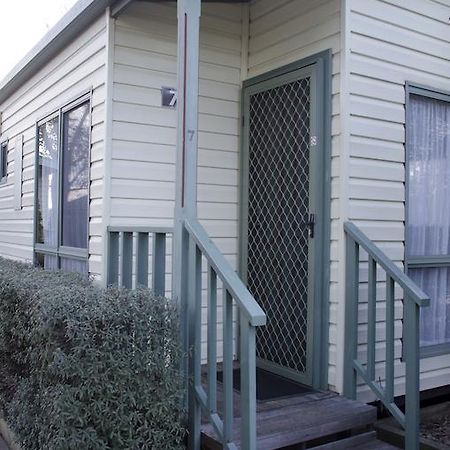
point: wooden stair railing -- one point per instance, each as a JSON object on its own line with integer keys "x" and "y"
{"x": 128, "y": 266}
{"x": 413, "y": 299}
{"x": 128, "y": 257}
{"x": 250, "y": 316}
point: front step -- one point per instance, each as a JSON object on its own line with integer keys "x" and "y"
{"x": 285, "y": 425}
{"x": 364, "y": 441}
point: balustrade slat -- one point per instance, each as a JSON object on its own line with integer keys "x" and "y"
{"x": 411, "y": 314}
{"x": 113, "y": 259}
{"x": 371, "y": 318}
{"x": 198, "y": 316}
{"x": 248, "y": 384}
{"x": 195, "y": 323}
{"x": 390, "y": 323}
{"x": 227, "y": 366}
{"x": 159, "y": 264}
{"x": 351, "y": 316}
{"x": 127, "y": 260}
{"x": 212, "y": 340}
{"x": 142, "y": 259}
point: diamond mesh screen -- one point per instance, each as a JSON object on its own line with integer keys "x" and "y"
{"x": 278, "y": 206}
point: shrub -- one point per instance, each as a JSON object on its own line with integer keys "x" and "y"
{"x": 87, "y": 368}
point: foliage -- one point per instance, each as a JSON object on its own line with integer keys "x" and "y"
{"x": 87, "y": 368}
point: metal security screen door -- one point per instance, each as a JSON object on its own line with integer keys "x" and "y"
{"x": 281, "y": 207}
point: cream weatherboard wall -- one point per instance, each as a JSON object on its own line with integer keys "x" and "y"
{"x": 142, "y": 182}
{"x": 389, "y": 42}
{"x": 78, "y": 69}
{"x": 237, "y": 42}
{"x": 283, "y": 32}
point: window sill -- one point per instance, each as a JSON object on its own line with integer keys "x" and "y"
{"x": 430, "y": 351}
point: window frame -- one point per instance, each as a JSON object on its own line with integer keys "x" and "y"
{"x": 422, "y": 262}
{"x": 4, "y": 160}
{"x": 61, "y": 251}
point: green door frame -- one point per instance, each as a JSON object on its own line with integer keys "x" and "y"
{"x": 320, "y": 66}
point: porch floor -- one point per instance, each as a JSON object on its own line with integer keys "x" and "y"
{"x": 318, "y": 419}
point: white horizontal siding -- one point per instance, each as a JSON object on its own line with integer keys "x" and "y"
{"x": 78, "y": 69}
{"x": 391, "y": 42}
{"x": 144, "y": 133}
{"x": 287, "y": 31}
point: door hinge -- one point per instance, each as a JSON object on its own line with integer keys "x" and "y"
{"x": 243, "y": 121}
{"x": 314, "y": 141}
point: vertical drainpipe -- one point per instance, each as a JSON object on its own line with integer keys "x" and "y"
{"x": 186, "y": 179}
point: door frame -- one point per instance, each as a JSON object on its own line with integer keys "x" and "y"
{"x": 320, "y": 320}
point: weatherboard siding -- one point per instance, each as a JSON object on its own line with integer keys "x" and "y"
{"x": 289, "y": 31}
{"x": 78, "y": 69}
{"x": 144, "y": 132}
{"x": 391, "y": 42}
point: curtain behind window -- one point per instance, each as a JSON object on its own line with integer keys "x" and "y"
{"x": 428, "y": 221}
{"x": 47, "y": 214}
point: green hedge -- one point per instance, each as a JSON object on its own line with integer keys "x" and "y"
{"x": 86, "y": 368}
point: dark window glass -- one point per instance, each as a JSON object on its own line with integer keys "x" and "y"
{"x": 75, "y": 177}
{"x": 4, "y": 161}
{"x": 47, "y": 179}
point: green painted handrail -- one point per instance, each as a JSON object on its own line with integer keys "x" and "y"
{"x": 246, "y": 302}
{"x": 413, "y": 291}
{"x": 234, "y": 294}
{"x": 123, "y": 262}
{"x": 413, "y": 299}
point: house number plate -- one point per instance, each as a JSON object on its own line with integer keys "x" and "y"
{"x": 168, "y": 97}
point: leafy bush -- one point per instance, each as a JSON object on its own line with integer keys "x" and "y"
{"x": 87, "y": 368}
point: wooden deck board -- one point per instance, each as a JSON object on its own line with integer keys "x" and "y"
{"x": 298, "y": 419}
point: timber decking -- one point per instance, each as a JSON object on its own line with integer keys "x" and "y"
{"x": 304, "y": 418}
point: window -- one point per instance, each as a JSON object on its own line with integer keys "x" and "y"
{"x": 62, "y": 200}
{"x": 3, "y": 162}
{"x": 428, "y": 211}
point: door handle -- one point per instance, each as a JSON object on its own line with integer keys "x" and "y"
{"x": 311, "y": 224}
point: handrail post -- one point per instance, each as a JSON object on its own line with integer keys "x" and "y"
{"x": 390, "y": 338}
{"x": 227, "y": 367}
{"x": 248, "y": 384}
{"x": 212, "y": 340}
{"x": 412, "y": 375}
{"x": 195, "y": 323}
{"x": 351, "y": 315}
{"x": 371, "y": 318}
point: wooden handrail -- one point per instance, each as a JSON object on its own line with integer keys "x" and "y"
{"x": 412, "y": 290}
{"x": 235, "y": 294}
{"x": 121, "y": 241}
{"x": 413, "y": 299}
{"x": 232, "y": 282}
